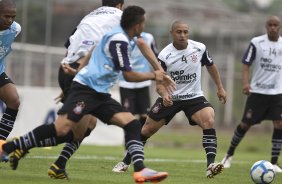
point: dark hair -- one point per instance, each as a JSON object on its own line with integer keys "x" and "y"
{"x": 131, "y": 16}
{"x": 112, "y": 3}
{"x": 7, "y": 3}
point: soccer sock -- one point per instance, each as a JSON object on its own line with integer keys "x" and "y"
{"x": 210, "y": 144}
{"x": 236, "y": 139}
{"x": 42, "y": 136}
{"x": 134, "y": 145}
{"x": 142, "y": 120}
{"x": 127, "y": 158}
{"x": 7, "y": 122}
{"x": 68, "y": 151}
{"x": 276, "y": 145}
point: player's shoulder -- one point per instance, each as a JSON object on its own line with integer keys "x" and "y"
{"x": 258, "y": 39}
{"x": 16, "y": 27}
{"x": 197, "y": 44}
{"x": 119, "y": 37}
{"x": 167, "y": 50}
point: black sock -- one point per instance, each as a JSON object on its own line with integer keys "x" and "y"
{"x": 236, "y": 139}
{"x": 43, "y": 135}
{"x": 134, "y": 145}
{"x": 210, "y": 144}
{"x": 7, "y": 122}
{"x": 276, "y": 145}
{"x": 127, "y": 158}
{"x": 68, "y": 151}
{"x": 142, "y": 120}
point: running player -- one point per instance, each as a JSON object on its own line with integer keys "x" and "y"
{"x": 89, "y": 94}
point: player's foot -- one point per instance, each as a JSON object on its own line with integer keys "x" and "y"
{"x": 214, "y": 169}
{"x": 277, "y": 168}
{"x": 3, "y": 156}
{"x": 15, "y": 157}
{"x": 226, "y": 161}
{"x": 55, "y": 172}
{"x": 121, "y": 167}
{"x": 149, "y": 175}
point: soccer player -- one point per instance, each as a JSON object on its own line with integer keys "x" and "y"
{"x": 89, "y": 94}
{"x": 9, "y": 29}
{"x": 87, "y": 35}
{"x": 135, "y": 96}
{"x": 182, "y": 60}
{"x": 264, "y": 90}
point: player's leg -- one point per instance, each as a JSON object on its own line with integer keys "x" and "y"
{"x": 57, "y": 169}
{"x": 205, "y": 119}
{"x": 140, "y": 106}
{"x": 258, "y": 105}
{"x": 42, "y": 136}
{"x": 9, "y": 95}
{"x": 276, "y": 145}
{"x": 132, "y": 129}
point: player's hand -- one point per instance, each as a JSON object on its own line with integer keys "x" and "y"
{"x": 159, "y": 75}
{"x": 68, "y": 69}
{"x": 246, "y": 89}
{"x": 169, "y": 84}
{"x": 167, "y": 101}
{"x": 59, "y": 98}
{"x": 222, "y": 96}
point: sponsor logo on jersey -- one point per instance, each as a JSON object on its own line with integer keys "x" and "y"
{"x": 88, "y": 42}
{"x": 265, "y": 86}
{"x": 181, "y": 78}
{"x": 267, "y": 66}
{"x": 183, "y": 97}
{"x": 78, "y": 108}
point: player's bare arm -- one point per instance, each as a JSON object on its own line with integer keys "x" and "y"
{"x": 245, "y": 79}
{"x": 150, "y": 56}
{"x": 222, "y": 96}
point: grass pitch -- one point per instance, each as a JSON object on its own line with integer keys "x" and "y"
{"x": 179, "y": 152}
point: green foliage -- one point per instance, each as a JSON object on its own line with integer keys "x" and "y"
{"x": 179, "y": 152}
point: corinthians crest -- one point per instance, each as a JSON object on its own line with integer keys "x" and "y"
{"x": 157, "y": 107}
{"x": 78, "y": 108}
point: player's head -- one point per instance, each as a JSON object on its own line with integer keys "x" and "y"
{"x": 273, "y": 26}
{"x": 179, "y": 33}
{"x": 133, "y": 20}
{"x": 113, "y": 3}
{"x": 7, "y": 13}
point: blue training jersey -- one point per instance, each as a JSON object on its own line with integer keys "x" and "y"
{"x": 6, "y": 39}
{"x": 107, "y": 60}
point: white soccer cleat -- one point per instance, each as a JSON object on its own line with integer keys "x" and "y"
{"x": 214, "y": 169}
{"x": 226, "y": 161}
{"x": 121, "y": 167}
{"x": 277, "y": 168}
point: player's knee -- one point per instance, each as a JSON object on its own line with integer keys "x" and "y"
{"x": 13, "y": 103}
{"x": 92, "y": 123}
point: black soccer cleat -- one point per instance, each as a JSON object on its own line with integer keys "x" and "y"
{"x": 55, "y": 172}
{"x": 15, "y": 157}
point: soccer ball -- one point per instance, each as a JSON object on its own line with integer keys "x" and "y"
{"x": 262, "y": 172}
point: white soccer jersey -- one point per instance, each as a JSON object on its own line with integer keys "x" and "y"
{"x": 184, "y": 67}
{"x": 267, "y": 59}
{"x": 90, "y": 31}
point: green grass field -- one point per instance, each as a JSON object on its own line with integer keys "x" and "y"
{"x": 180, "y": 153}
